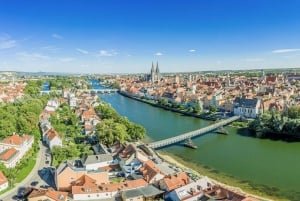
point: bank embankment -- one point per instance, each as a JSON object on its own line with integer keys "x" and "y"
{"x": 154, "y": 104}
{"x": 219, "y": 178}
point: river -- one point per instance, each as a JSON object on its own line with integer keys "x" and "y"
{"x": 271, "y": 166}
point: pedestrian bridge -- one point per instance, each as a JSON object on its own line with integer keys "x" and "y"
{"x": 102, "y": 91}
{"x": 199, "y": 132}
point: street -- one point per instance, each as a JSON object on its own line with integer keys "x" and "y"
{"x": 39, "y": 177}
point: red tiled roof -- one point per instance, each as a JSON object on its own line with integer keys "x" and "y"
{"x": 149, "y": 170}
{"x": 8, "y": 154}
{"x": 175, "y": 181}
{"x": 16, "y": 139}
{"x": 51, "y": 134}
{"x": 125, "y": 185}
{"x": 3, "y": 179}
{"x": 55, "y": 195}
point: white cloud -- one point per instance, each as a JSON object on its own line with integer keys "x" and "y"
{"x": 158, "y": 54}
{"x": 26, "y": 55}
{"x": 50, "y": 48}
{"x": 57, "y": 36}
{"x": 106, "y": 53}
{"x": 192, "y": 50}
{"x": 82, "y": 51}
{"x": 254, "y": 59}
{"x": 66, "y": 59}
{"x": 6, "y": 42}
{"x": 285, "y": 50}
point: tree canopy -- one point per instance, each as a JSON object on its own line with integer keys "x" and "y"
{"x": 116, "y": 128}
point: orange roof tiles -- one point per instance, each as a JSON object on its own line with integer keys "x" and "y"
{"x": 3, "y": 179}
{"x": 85, "y": 180}
{"x": 55, "y": 195}
{"x": 8, "y": 154}
{"x": 51, "y": 134}
{"x": 175, "y": 181}
{"x": 16, "y": 139}
{"x": 149, "y": 170}
{"x": 125, "y": 185}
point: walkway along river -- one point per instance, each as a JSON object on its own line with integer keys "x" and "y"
{"x": 271, "y": 166}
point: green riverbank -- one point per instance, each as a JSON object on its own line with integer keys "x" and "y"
{"x": 248, "y": 187}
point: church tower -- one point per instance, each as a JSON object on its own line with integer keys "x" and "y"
{"x": 152, "y": 73}
{"x": 157, "y": 72}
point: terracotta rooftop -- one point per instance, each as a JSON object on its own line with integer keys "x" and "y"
{"x": 51, "y": 134}
{"x": 50, "y": 193}
{"x": 8, "y": 154}
{"x": 175, "y": 181}
{"x": 3, "y": 179}
{"x": 16, "y": 139}
{"x": 112, "y": 187}
{"x": 149, "y": 170}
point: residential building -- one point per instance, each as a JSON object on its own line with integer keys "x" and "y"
{"x": 71, "y": 172}
{"x": 94, "y": 162}
{"x": 90, "y": 190}
{"x": 13, "y": 148}
{"x": 172, "y": 182}
{"x": 190, "y": 192}
{"x": 147, "y": 193}
{"x": 151, "y": 173}
{"x": 49, "y": 195}
{"x": 248, "y": 108}
{"x": 52, "y": 138}
{"x": 52, "y": 105}
{"x": 3, "y": 182}
{"x": 131, "y": 159}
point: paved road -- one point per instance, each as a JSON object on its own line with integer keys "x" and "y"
{"x": 35, "y": 175}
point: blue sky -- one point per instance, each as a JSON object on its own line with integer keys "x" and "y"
{"x": 119, "y": 36}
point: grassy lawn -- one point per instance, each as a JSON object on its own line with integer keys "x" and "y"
{"x": 26, "y": 170}
{"x": 117, "y": 180}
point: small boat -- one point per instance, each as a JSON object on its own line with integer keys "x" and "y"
{"x": 188, "y": 143}
{"x": 221, "y": 130}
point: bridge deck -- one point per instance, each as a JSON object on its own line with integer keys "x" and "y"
{"x": 85, "y": 90}
{"x": 192, "y": 134}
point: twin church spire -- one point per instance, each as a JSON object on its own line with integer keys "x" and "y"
{"x": 154, "y": 73}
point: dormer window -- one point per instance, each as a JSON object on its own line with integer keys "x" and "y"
{"x": 61, "y": 197}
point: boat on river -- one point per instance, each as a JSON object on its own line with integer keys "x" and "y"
{"x": 189, "y": 143}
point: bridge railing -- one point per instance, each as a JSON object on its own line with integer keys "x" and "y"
{"x": 191, "y": 134}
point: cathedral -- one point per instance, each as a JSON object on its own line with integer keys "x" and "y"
{"x": 154, "y": 75}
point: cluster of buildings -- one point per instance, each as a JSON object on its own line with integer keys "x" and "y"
{"x": 126, "y": 172}
{"x": 13, "y": 148}
{"x": 11, "y": 91}
{"x": 121, "y": 171}
{"x": 240, "y": 95}
{"x": 49, "y": 135}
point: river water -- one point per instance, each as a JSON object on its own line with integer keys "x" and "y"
{"x": 271, "y": 166}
